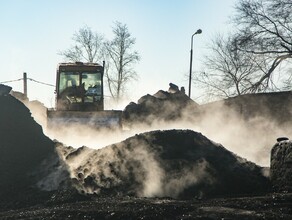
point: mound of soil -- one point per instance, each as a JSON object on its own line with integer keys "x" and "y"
{"x": 27, "y": 156}
{"x": 170, "y": 106}
{"x": 4, "y": 90}
{"x": 164, "y": 106}
{"x": 179, "y": 164}
{"x": 171, "y": 163}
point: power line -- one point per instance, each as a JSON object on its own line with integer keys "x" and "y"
{"x": 12, "y": 80}
{"x": 43, "y": 83}
{"x": 47, "y": 84}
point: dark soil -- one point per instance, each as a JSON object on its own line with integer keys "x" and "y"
{"x": 173, "y": 163}
{"x": 162, "y": 106}
{"x": 198, "y": 179}
{"x": 23, "y": 146}
{"x": 62, "y": 206}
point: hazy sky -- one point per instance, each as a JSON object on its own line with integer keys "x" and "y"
{"x": 33, "y": 31}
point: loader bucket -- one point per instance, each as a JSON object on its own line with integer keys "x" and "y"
{"x": 97, "y": 119}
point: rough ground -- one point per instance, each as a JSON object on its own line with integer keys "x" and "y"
{"x": 183, "y": 174}
{"x": 269, "y": 206}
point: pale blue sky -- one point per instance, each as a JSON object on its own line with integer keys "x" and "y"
{"x": 33, "y": 31}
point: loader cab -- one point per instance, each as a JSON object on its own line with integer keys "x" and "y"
{"x": 79, "y": 87}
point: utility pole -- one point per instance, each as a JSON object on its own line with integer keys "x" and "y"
{"x": 25, "y": 84}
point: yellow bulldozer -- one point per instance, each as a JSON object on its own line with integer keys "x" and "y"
{"x": 80, "y": 98}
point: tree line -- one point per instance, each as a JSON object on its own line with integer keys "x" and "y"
{"x": 248, "y": 60}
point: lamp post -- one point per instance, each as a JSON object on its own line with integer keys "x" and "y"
{"x": 199, "y": 31}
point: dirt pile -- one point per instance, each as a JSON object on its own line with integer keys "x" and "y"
{"x": 4, "y": 90}
{"x": 171, "y": 163}
{"x": 175, "y": 105}
{"x": 162, "y": 106}
{"x": 247, "y": 125}
{"x": 281, "y": 165}
{"x": 157, "y": 164}
{"x": 37, "y": 109}
{"x": 27, "y": 157}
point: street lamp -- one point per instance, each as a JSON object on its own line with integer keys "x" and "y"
{"x": 199, "y": 31}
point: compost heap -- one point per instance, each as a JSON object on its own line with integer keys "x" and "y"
{"x": 174, "y": 163}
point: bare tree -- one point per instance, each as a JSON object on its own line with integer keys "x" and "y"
{"x": 118, "y": 54}
{"x": 228, "y": 71}
{"x": 265, "y": 27}
{"x": 121, "y": 58}
{"x": 87, "y": 48}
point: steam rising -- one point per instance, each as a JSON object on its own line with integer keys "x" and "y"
{"x": 187, "y": 177}
{"x": 248, "y": 136}
{"x": 251, "y": 137}
{"x": 152, "y": 165}
{"x": 134, "y": 161}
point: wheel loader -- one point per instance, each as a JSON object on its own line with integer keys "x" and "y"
{"x": 80, "y": 98}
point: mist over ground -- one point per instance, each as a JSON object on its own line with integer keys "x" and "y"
{"x": 152, "y": 166}
{"x": 248, "y": 125}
